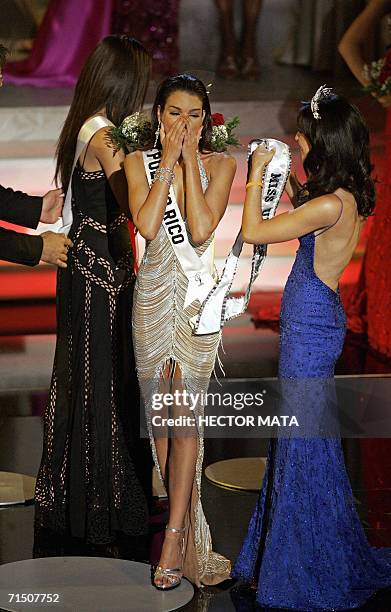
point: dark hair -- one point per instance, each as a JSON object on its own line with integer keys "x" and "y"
{"x": 114, "y": 77}
{"x": 3, "y": 55}
{"x": 193, "y": 86}
{"x": 339, "y": 155}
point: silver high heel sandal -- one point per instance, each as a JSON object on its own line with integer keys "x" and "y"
{"x": 174, "y": 575}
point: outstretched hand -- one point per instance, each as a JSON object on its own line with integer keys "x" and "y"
{"x": 53, "y": 202}
{"x": 55, "y": 248}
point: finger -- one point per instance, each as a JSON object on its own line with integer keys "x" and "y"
{"x": 69, "y": 242}
{"x": 178, "y": 133}
{"x": 178, "y": 127}
{"x": 174, "y": 126}
{"x": 63, "y": 256}
{"x": 61, "y": 264}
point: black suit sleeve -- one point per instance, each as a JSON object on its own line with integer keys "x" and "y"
{"x": 19, "y": 208}
{"x": 20, "y": 248}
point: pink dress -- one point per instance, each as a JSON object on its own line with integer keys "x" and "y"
{"x": 69, "y": 32}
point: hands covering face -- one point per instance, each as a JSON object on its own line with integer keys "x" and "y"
{"x": 182, "y": 139}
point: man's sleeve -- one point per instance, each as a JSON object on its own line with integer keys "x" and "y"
{"x": 20, "y": 248}
{"x": 19, "y": 208}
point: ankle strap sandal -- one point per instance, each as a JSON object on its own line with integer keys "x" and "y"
{"x": 173, "y": 575}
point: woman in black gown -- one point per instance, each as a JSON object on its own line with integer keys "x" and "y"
{"x": 89, "y": 487}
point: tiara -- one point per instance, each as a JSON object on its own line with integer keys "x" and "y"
{"x": 321, "y": 93}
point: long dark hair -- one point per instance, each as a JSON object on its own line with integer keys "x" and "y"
{"x": 339, "y": 154}
{"x": 192, "y": 85}
{"x": 114, "y": 77}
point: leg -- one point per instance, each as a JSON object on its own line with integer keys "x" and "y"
{"x": 181, "y": 472}
{"x": 161, "y": 440}
{"x": 251, "y": 12}
{"x": 227, "y": 65}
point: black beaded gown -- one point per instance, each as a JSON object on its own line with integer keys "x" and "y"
{"x": 93, "y": 481}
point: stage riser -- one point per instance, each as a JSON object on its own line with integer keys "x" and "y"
{"x": 44, "y": 123}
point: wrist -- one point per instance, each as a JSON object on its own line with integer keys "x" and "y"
{"x": 256, "y": 173}
{"x": 191, "y": 158}
{"x": 167, "y": 161}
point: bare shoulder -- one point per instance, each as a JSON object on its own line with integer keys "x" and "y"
{"x": 134, "y": 160}
{"x": 102, "y": 140}
{"x": 327, "y": 207}
{"x": 222, "y": 162}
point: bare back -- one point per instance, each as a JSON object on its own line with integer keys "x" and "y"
{"x": 335, "y": 245}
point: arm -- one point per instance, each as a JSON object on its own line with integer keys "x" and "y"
{"x": 25, "y": 210}
{"x": 315, "y": 214}
{"x": 351, "y": 44}
{"x": 112, "y": 162}
{"x": 28, "y": 250}
{"x": 20, "y": 208}
{"x": 20, "y": 248}
{"x": 148, "y": 205}
{"x": 204, "y": 210}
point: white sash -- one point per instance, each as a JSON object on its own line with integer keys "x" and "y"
{"x": 87, "y": 131}
{"x": 219, "y": 307}
{"x": 196, "y": 269}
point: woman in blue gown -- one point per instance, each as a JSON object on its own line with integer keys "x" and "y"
{"x": 305, "y": 548}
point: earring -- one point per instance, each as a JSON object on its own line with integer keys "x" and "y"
{"x": 157, "y": 135}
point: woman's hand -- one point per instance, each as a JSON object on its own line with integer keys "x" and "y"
{"x": 261, "y": 157}
{"x": 172, "y": 142}
{"x": 190, "y": 142}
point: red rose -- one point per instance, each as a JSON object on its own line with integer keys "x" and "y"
{"x": 218, "y": 119}
{"x": 386, "y": 70}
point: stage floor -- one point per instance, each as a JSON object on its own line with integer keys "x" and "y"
{"x": 25, "y": 364}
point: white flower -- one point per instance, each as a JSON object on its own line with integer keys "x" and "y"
{"x": 220, "y": 131}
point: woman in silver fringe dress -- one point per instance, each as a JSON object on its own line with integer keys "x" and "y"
{"x": 168, "y": 356}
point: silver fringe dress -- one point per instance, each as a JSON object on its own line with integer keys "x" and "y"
{"x": 162, "y": 335}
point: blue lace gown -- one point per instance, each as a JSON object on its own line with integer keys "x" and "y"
{"x": 305, "y": 547}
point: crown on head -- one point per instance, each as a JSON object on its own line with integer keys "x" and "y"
{"x": 322, "y": 93}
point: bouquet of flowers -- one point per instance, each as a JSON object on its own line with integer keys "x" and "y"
{"x": 223, "y": 132}
{"x": 135, "y": 132}
{"x": 378, "y": 75}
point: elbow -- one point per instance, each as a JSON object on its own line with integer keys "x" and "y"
{"x": 248, "y": 238}
{"x": 342, "y": 48}
{"x": 248, "y": 235}
{"x": 147, "y": 234}
{"x": 200, "y": 237}
{"x": 345, "y": 46}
